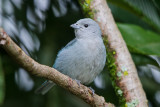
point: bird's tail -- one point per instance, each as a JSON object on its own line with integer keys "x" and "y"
{"x": 45, "y": 87}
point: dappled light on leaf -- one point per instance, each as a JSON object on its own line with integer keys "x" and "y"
{"x": 23, "y": 80}
{"x": 157, "y": 96}
{"x": 100, "y": 82}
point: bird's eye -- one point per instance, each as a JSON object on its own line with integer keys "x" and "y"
{"x": 86, "y": 25}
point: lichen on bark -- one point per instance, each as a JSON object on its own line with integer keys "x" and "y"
{"x": 112, "y": 68}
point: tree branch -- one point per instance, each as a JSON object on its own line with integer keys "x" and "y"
{"x": 49, "y": 73}
{"x": 121, "y": 66}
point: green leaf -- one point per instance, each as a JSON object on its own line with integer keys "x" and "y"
{"x": 2, "y": 85}
{"x": 140, "y": 40}
{"x": 146, "y": 10}
{"x": 141, "y": 60}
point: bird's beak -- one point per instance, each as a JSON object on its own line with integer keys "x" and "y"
{"x": 75, "y": 26}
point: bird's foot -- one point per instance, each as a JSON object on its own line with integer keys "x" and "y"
{"x": 93, "y": 91}
{"x": 78, "y": 82}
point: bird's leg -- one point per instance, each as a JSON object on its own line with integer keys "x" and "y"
{"x": 93, "y": 91}
{"x": 78, "y": 82}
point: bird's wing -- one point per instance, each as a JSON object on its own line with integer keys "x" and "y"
{"x": 70, "y": 43}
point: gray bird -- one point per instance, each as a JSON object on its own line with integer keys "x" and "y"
{"x": 83, "y": 58}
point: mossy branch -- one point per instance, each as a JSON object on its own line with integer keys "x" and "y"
{"x": 122, "y": 69}
{"x": 49, "y": 73}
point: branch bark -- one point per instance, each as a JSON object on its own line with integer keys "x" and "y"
{"x": 49, "y": 73}
{"x": 122, "y": 69}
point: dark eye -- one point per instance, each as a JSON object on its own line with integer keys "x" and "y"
{"x": 86, "y": 25}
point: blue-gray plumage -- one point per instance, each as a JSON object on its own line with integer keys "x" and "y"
{"x": 84, "y": 57}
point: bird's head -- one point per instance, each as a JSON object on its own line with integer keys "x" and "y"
{"x": 86, "y": 28}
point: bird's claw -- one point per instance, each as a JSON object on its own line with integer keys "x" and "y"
{"x": 78, "y": 82}
{"x": 93, "y": 91}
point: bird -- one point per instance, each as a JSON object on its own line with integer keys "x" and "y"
{"x": 83, "y": 58}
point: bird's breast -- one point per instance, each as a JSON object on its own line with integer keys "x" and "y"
{"x": 91, "y": 60}
{"x": 82, "y": 61}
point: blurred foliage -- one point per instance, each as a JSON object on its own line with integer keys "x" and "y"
{"x": 141, "y": 60}
{"x": 41, "y": 29}
{"x": 146, "y": 10}
{"x": 140, "y": 40}
{"x": 2, "y": 84}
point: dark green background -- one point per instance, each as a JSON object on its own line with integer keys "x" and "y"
{"x": 42, "y": 38}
